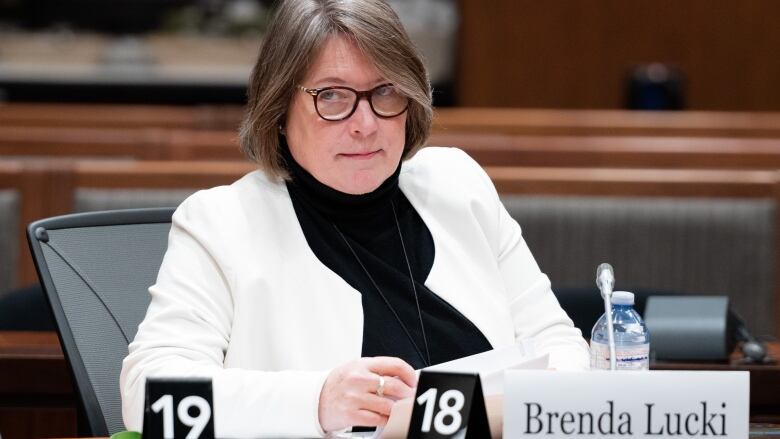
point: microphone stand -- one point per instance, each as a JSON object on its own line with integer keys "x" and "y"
{"x": 605, "y": 280}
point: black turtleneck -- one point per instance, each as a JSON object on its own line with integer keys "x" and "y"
{"x": 368, "y": 223}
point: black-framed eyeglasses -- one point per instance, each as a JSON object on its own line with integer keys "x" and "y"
{"x": 339, "y": 103}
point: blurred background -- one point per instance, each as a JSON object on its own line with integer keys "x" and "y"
{"x": 644, "y": 133}
{"x": 169, "y": 52}
{"x": 695, "y": 54}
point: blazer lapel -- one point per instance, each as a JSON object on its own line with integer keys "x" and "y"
{"x": 464, "y": 274}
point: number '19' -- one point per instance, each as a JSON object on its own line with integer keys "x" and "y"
{"x": 198, "y": 423}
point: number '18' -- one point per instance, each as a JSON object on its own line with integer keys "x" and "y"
{"x": 450, "y": 404}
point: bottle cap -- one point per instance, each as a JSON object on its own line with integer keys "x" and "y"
{"x": 622, "y": 298}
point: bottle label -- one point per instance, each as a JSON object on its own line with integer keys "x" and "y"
{"x": 635, "y": 357}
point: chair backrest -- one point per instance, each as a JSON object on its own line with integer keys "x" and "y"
{"x": 9, "y": 217}
{"x": 722, "y": 246}
{"x": 96, "y": 269}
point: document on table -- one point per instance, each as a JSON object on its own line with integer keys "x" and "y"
{"x": 490, "y": 366}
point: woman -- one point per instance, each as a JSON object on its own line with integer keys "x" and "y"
{"x": 311, "y": 289}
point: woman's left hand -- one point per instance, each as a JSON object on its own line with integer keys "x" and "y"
{"x": 353, "y": 393}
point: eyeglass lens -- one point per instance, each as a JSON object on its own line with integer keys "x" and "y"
{"x": 338, "y": 103}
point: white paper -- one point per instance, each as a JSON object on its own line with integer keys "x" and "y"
{"x": 491, "y": 365}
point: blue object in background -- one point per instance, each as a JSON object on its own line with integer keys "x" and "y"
{"x": 655, "y": 87}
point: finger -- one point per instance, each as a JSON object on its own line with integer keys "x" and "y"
{"x": 367, "y": 418}
{"x": 397, "y": 389}
{"x": 361, "y": 378}
{"x": 391, "y": 366}
{"x": 377, "y": 404}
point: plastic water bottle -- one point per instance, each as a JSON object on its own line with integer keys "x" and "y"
{"x": 632, "y": 340}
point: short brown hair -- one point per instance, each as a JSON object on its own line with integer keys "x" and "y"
{"x": 296, "y": 33}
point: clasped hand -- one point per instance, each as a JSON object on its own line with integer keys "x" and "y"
{"x": 351, "y": 393}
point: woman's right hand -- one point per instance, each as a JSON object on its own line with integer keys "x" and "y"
{"x": 349, "y": 396}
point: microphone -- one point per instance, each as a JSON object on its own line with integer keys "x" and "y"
{"x": 605, "y": 281}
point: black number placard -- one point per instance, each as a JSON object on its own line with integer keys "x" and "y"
{"x": 178, "y": 408}
{"x": 449, "y": 405}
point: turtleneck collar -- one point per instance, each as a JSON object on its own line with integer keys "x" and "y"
{"x": 332, "y": 203}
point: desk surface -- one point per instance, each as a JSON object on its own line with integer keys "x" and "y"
{"x": 764, "y": 380}
{"x": 40, "y": 373}
{"x": 21, "y": 348}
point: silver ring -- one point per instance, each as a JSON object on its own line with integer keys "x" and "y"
{"x": 380, "y": 389}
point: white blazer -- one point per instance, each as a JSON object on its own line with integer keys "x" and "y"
{"x": 241, "y": 297}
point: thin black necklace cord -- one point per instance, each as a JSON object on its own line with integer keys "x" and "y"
{"x": 426, "y": 361}
{"x": 411, "y": 279}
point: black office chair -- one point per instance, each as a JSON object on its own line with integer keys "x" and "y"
{"x": 95, "y": 269}
{"x": 25, "y": 309}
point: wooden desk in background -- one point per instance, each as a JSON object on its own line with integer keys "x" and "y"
{"x": 37, "y": 399}
{"x": 764, "y": 381}
{"x": 36, "y": 394}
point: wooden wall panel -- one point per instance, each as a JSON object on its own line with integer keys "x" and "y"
{"x": 574, "y": 53}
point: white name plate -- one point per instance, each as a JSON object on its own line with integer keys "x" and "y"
{"x": 648, "y": 404}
